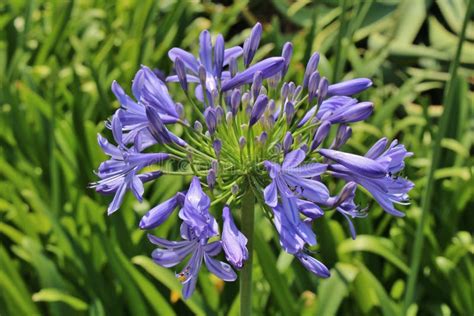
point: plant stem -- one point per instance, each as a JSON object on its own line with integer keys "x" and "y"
{"x": 248, "y": 218}
{"x": 427, "y": 195}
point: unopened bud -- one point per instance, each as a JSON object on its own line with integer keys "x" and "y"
{"x": 289, "y": 112}
{"x": 287, "y": 142}
{"x": 217, "y": 145}
{"x": 235, "y": 189}
{"x": 181, "y": 73}
{"x": 235, "y": 101}
{"x": 242, "y": 142}
{"x": 211, "y": 179}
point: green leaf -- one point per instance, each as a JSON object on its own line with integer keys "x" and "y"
{"x": 377, "y": 245}
{"x": 56, "y": 295}
{"x": 333, "y": 290}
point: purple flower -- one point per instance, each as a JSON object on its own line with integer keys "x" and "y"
{"x": 287, "y": 144}
{"x": 376, "y": 172}
{"x": 367, "y": 167}
{"x": 291, "y": 239}
{"x": 212, "y": 66}
{"x": 195, "y": 211}
{"x": 293, "y": 180}
{"x": 171, "y": 253}
{"x": 233, "y": 241}
{"x": 120, "y": 172}
{"x": 148, "y": 91}
{"x": 292, "y": 243}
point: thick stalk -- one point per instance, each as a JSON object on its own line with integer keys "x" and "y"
{"x": 248, "y": 218}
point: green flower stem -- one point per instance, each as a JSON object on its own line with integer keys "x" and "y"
{"x": 248, "y": 216}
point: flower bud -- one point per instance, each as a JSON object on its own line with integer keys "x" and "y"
{"x": 349, "y": 87}
{"x": 286, "y": 53}
{"x": 321, "y": 133}
{"x": 258, "y": 109}
{"x": 205, "y": 49}
{"x": 181, "y": 73}
{"x": 233, "y": 241}
{"x": 157, "y": 215}
{"x": 284, "y": 91}
{"x": 217, "y": 145}
{"x": 262, "y": 138}
{"x": 235, "y": 189}
{"x": 219, "y": 113}
{"x": 310, "y": 68}
{"x": 219, "y": 55}
{"x": 198, "y": 126}
{"x": 289, "y": 112}
{"x": 157, "y": 127}
{"x": 235, "y": 101}
{"x": 256, "y": 84}
{"x": 211, "y": 179}
{"x": 251, "y": 44}
{"x": 242, "y": 142}
{"x": 245, "y": 99}
{"x": 343, "y": 134}
{"x": 352, "y": 113}
{"x": 287, "y": 142}
{"x": 297, "y": 92}
{"x": 180, "y": 110}
{"x": 233, "y": 68}
{"x": 215, "y": 166}
{"x": 377, "y": 149}
{"x": 202, "y": 75}
{"x": 229, "y": 117}
{"x": 313, "y": 85}
{"x": 211, "y": 119}
{"x": 291, "y": 89}
{"x": 322, "y": 89}
{"x": 269, "y": 67}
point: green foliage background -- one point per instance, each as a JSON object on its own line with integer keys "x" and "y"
{"x": 61, "y": 255}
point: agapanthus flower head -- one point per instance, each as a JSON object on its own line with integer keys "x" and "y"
{"x": 253, "y": 132}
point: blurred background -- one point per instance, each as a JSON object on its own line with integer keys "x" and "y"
{"x": 61, "y": 255}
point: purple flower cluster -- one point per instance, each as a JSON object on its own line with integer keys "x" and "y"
{"x": 254, "y": 131}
